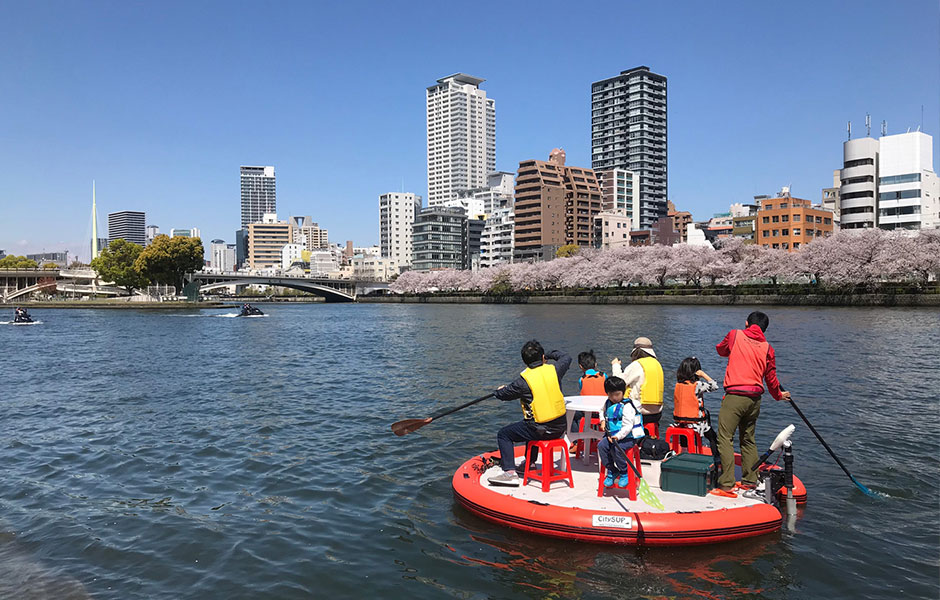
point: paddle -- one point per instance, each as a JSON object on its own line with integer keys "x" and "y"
{"x": 643, "y": 490}
{"x": 410, "y": 425}
{"x": 828, "y": 449}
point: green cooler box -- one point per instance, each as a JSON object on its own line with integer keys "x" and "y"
{"x": 688, "y": 473}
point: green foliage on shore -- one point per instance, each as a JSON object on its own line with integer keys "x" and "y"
{"x": 167, "y": 260}
{"x": 117, "y": 263}
{"x": 567, "y": 251}
{"x": 11, "y": 261}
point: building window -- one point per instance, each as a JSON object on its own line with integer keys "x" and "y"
{"x": 785, "y": 218}
{"x": 775, "y": 219}
{"x": 776, "y": 232}
{"x": 796, "y": 218}
{"x": 796, "y": 231}
{"x": 766, "y": 219}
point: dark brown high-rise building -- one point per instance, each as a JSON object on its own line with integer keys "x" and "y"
{"x": 555, "y": 206}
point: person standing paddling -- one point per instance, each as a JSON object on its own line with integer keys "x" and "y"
{"x": 751, "y": 362}
{"x": 538, "y": 390}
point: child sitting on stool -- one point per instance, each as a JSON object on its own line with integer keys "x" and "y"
{"x": 692, "y": 383}
{"x": 591, "y": 383}
{"x": 623, "y": 427}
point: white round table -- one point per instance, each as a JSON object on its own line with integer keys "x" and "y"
{"x": 587, "y": 405}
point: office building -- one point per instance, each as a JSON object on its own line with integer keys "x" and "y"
{"x": 461, "y": 128}
{"x": 830, "y": 198}
{"x": 374, "y": 268}
{"x": 889, "y": 183}
{"x": 438, "y": 239}
{"x": 152, "y": 232}
{"x": 259, "y": 196}
{"x": 264, "y": 242}
{"x": 290, "y": 254}
{"x": 61, "y": 259}
{"x": 788, "y": 223}
{"x": 221, "y": 256}
{"x": 309, "y": 234}
{"x": 192, "y": 232}
{"x": 628, "y": 131}
{"x": 555, "y": 205}
{"x": 127, "y": 225}
{"x": 397, "y": 212}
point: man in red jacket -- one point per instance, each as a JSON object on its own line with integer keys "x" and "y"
{"x": 751, "y": 362}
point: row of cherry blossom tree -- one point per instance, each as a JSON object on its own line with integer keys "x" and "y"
{"x": 869, "y": 257}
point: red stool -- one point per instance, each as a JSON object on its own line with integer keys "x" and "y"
{"x": 652, "y": 429}
{"x": 693, "y": 441}
{"x": 634, "y": 455}
{"x": 549, "y": 472}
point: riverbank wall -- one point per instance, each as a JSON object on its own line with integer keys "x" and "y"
{"x": 173, "y": 305}
{"x": 911, "y": 300}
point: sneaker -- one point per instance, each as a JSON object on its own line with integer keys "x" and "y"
{"x": 624, "y": 480}
{"x": 721, "y": 492}
{"x": 509, "y": 478}
{"x": 520, "y": 469}
{"x": 609, "y": 480}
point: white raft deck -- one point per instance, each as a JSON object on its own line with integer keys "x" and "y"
{"x": 584, "y": 493}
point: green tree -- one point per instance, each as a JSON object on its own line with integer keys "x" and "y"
{"x": 167, "y": 260}
{"x": 117, "y": 263}
{"x": 567, "y": 251}
{"x": 11, "y": 261}
{"x": 50, "y": 265}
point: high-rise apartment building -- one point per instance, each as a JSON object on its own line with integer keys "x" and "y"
{"x": 259, "y": 196}
{"x": 496, "y": 243}
{"x": 128, "y": 225}
{"x": 152, "y": 232}
{"x": 397, "y": 212}
{"x": 461, "y": 127}
{"x": 628, "y": 131}
{"x": 555, "y": 205}
{"x": 192, "y": 232}
{"x": 309, "y": 234}
{"x": 889, "y": 183}
{"x": 620, "y": 193}
{"x": 221, "y": 256}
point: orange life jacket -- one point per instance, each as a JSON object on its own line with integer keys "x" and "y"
{"x": 593, "y": 385}
{"x": 746, "y": 363}
{"x": 686, "y": 405}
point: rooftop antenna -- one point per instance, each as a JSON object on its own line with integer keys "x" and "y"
{"x": 884, "y": 128}
{"x": 868, "y": 124}
{"x": 850, "y": 130}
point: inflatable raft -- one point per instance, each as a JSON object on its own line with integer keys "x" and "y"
{"x": 578, "y": 512}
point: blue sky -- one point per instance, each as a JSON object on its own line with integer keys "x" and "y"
{"x": 161, "y": 102}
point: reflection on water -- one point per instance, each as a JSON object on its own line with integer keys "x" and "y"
{"x": 150, "y": 456}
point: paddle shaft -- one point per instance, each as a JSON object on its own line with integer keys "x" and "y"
{"x": 826, "y": 446}
{"x": 448, "y": 411}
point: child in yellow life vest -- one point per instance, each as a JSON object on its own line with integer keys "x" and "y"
{"x": 538, "y": 390}
{"x": 591, "y": 383}
{"x": 692, "y": 383}
{"x": 623, "y": 427}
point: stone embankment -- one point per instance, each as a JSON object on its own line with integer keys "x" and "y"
{"x": 829, "y": 299}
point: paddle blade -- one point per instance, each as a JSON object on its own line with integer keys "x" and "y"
{"x": 409, "y": 425}
{"x": 645, "y": 494}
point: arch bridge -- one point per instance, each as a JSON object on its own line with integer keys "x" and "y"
{"x": 332, "y": 290}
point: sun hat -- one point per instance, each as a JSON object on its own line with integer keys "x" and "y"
{"x": 644, "y": 344}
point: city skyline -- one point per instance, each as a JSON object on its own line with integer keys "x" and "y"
{"x": 744, "y": 118}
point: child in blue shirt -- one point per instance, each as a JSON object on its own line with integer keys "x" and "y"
{"x": 623, "y": 426}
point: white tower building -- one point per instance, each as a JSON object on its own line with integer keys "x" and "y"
{"x": 461, "y": 137}
{"x": 397, "y": 212}
{"x": 259, "y": 194}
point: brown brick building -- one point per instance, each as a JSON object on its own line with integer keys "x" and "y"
{"x": 788, "y": 223}
{"x": 555, "y": 205}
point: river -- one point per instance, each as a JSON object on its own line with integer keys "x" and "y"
{"x": 151, "y": 454}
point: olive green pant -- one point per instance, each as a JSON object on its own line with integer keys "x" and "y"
{"x": 737, "y": 412}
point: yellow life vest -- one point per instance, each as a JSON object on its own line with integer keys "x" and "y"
{"x": 548, "y": 403}
{"x": 652, "y": 390}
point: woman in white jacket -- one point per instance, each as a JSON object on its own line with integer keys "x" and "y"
{"x": 644, "y": 379}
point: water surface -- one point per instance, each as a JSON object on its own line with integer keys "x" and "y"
{"x": 180, "y": 455}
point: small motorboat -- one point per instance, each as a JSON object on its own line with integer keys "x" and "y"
{"x": 21, "y": 315}
{"x": 588, "y": 512}
{"x": 250, "y": 311}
